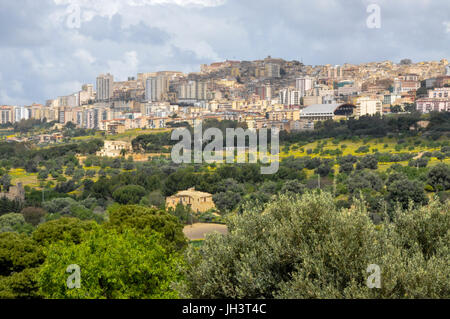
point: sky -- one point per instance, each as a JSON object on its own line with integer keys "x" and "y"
{"x": 49, "y": 48}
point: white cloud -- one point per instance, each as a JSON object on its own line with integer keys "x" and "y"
{"x": 447, "y": 26}
{"x": 85, "y": 56}
{"x": 125, "y": 67}
{"x": 108, "y": 8}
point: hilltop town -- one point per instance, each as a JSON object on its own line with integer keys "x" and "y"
{"x": 263, "y": 93}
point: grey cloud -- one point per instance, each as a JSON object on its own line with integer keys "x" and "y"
{"x": 38, "y": 54}
{"x": 104, "y": 28}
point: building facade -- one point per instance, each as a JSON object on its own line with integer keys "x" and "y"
{"x": 105, "y": 87}
{"x": 199, "y": 202}
{"x": 368, "y": 106}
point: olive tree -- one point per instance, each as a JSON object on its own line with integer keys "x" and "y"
{"x": 303, "y": 247}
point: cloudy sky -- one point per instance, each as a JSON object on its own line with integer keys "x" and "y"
{"x": 50, "y": 48}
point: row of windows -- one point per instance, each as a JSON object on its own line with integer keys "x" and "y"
{"x": 440, "y": 94}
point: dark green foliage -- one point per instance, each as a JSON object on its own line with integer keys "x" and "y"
{"x": 66, "y": 229}
{"x": 33, "y": 215}
{"x": 439, "y": 177}
{"x": 147, "y": 219}
{"x": 130, "y": 194}
{"x": 403, "y": 191}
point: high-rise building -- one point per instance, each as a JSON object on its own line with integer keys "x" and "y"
{"x": 6, "y": 115}
{"x": 162, "y": 86}
{"x": 406, "y": 83}
{"x": 105, "y": 87}
{"x": 264, "y": 92}
{"x": 447, "y": 69}
{"x": 304, "y": 84}
{"x": 21, "y": 113}
{"x": 150, "y": 89}
{"x": 272, "y": 70}
{"x": 335, "y": 72}
{"x": 290, "y": 97}
{"x": 193, "y": 90}
{"x": 156, "y": 88}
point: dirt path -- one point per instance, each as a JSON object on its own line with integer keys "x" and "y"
{"x": 200, "y": 230}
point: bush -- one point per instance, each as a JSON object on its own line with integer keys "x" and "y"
{"x": 33, "y": 215}
{"x": 63, "y": 229}
{"x": 439, "y": 177}
{"x": 127, "y": 265}
{"x": 303, "y": 247}
{"x": 14, "y": 223}
{"x": 130, "y": 194}
{"x": 145, "y": 219}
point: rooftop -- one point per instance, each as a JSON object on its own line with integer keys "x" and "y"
{"x": 320, "y": 108}
{"x": 192, "y": 193}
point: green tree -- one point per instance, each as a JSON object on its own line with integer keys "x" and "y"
{"x": 33, "y": 215}
{"x": 293, "y": 187}
{"x": 63, "y": 229}
{"x": 130, "y": 194}
{"x": 361, "y": 180}
{"x": 5, "y": 182}
{"x": 142, "y": 218}
{"x": 20, "y": 258}
{"x": 439, "y": 177}
{"x": 14, "y": 223}
{"x": 226, "y": 201}
{"x": 404, "y": 191}
{"x": 125, "y": 265}
{"x": 303, "y": 247}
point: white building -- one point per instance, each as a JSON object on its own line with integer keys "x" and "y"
{"x": 86, "y": 94}
{"x": 368, "y": 106}
{"x": 304, "y": 84}
{"x": 390, "y": 99}
{"x": 428, "y": 105}
{"x": 290, "y": 97}
{"x": 439, "y": 93}
{"x": 21, "y": 113}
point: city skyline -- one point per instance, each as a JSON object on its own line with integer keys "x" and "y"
{"x": 44, "y": 56}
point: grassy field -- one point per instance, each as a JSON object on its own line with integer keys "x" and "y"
{"x": 19, "y": 175}
{"x": 316, "y": 149}
{"x": 129, "y": 135}
{"x": 349, "y": 147}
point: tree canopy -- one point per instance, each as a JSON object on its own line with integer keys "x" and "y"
{"x": 304, "y": 247}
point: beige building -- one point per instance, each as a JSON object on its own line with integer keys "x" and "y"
{"x": 114, "y": 148}
{"x": 291, "y": 115}
{"x": 198, "y": 201}
{"x": 6, "y": 115}
{"x": 16, "y": 193}
{"x": 312, "y": 100}
{"x": 114, "y": 127}
{"x": 368, "y": 106}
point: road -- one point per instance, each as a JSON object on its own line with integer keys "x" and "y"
{"x": 200, "y": 230}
